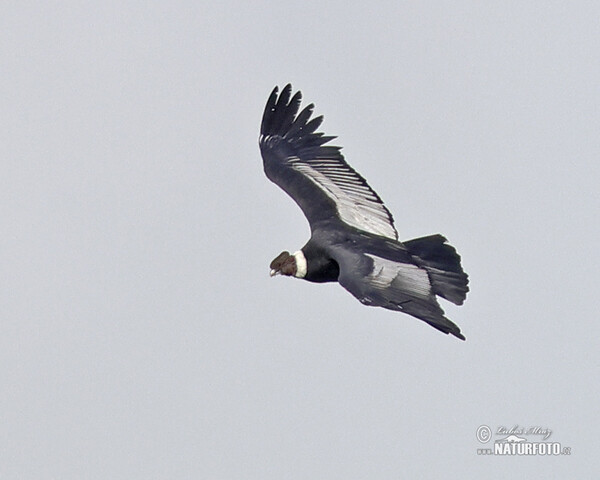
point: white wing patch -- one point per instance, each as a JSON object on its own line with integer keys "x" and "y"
{"x": 356, "y": 203}
{"x": 403, "y": 276}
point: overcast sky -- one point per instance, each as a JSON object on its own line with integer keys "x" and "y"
{"x": 141, "y": 336}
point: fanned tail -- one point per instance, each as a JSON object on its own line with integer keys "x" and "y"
{"x": 442, "y": 263}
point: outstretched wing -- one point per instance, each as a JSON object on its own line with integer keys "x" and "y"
{"x": 316, "y": 175}
{"x": 393, "y": 284}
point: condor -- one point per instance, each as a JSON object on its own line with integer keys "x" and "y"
{"x": 353, "y": 239}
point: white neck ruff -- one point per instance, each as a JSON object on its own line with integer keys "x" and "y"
{"x": 300, "y": 264}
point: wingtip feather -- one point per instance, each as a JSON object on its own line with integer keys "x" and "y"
{"x": 281, "y": 118}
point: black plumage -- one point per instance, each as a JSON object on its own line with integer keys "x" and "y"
{"x": 353, "y": 238}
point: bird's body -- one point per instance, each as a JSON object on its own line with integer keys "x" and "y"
{"x": 353, "y": 238}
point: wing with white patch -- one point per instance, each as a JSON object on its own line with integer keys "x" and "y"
{"x": 316, "y": 175}
{"x": 394, "y": 285}
{"x": 402, "y": 277}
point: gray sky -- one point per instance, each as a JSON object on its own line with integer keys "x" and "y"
{"x": 141, "y": 334}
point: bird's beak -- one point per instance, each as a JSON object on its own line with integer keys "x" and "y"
{"x": 272, "y": 273}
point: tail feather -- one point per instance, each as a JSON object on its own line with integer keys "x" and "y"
{"x": 442, "y": 263}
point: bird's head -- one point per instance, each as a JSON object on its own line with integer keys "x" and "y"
{"x": 293, "y": 265}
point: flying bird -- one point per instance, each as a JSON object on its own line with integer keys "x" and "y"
{"x": 353, "y": 238}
